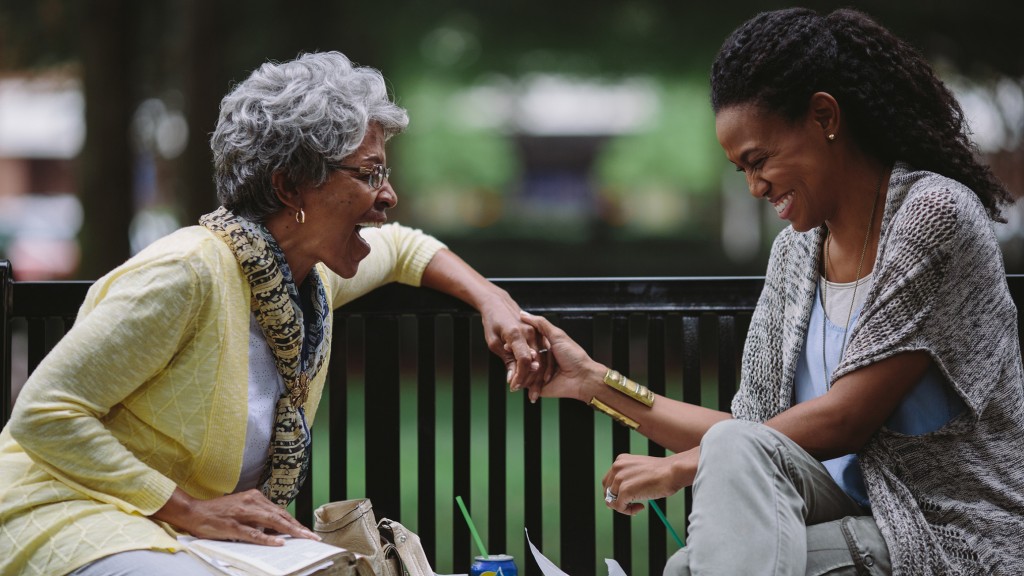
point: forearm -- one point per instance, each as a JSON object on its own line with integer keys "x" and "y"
{"x": 98, "y": 465}
{"x": 675, "y": 425}
{"x": 450, "y": 274}
{"x": 62, "y": 419}
{"x": 815, "y": 430}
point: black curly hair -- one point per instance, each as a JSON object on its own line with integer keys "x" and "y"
{"x": 894, "y": 106}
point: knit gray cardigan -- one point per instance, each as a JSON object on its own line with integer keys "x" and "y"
{"x": 950, "y": 501}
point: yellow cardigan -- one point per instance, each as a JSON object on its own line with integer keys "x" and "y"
{"x": 146, "y": 392}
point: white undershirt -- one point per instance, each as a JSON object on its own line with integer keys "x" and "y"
{"x": 838, "y": 297}
{"x": 265, "y": 388}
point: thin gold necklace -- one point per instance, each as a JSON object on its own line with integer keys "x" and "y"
{"x": 856, "y": 283}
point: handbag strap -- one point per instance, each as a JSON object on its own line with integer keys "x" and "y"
{"x": 407, "y": 543}
{"x": 358, "y": 565}
{"x": 338, "y": 515}
{"x": 390, "y": 561}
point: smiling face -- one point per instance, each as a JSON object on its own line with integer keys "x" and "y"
{"x": 337, "y": 210}
{"x": 786, "y": 163}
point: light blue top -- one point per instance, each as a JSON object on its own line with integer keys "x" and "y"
{"x": 928, "y": 406}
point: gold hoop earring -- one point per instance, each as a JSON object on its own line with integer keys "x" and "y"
{"x": 831, "y": 137}
{"x": 300, "y": 216}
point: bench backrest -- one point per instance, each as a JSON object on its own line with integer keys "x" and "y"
{"x": 417, "y": 410}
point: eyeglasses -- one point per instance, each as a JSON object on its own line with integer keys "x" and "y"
{"x": 374, "y": 175}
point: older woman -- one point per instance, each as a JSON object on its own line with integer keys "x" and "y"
{"x": 181, "y": 399}
{"x": 879, "y": 424}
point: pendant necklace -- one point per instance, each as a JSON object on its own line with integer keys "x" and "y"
{"x": 856, "y": 282}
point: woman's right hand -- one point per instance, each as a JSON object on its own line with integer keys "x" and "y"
{"x": 634, "y": 479}
{"x": 569, "y": 372}
{"x": 245, "y": 517}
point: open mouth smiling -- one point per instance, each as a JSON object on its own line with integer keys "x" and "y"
{"x": 782, "y": 203}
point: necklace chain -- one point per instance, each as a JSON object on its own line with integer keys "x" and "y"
{"x": 856, "y": 283}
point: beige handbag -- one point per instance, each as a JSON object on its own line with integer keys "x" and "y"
{"x": 389, "y": 549}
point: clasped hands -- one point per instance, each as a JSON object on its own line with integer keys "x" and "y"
{"x": 542, "y": 359}
{"x": 567, "y": 371}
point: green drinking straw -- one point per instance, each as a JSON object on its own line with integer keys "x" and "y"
{"x": 472, "y": 528}
{"x": 657, "y": 510}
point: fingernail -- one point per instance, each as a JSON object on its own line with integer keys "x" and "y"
{"x": 534, "y": 366}
{"x": 508, "y": 376}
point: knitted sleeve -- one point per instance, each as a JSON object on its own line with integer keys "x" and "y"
{"x": 59, "y": 417}
{"x": 940, "y": 286}
{"x": 397, "y": 254}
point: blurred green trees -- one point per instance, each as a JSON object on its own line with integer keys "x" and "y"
{"x": 462, "y": 177}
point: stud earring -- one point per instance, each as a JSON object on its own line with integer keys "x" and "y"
{"x": 831, "y": 137}
{"x": 300, "y": 216}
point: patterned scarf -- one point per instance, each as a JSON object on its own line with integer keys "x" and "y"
{"x": 299, "y": 347}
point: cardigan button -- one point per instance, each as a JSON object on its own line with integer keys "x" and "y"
{"x": 869, "y": 561}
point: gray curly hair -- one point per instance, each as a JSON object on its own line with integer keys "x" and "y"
{"x": 295, "y": 116}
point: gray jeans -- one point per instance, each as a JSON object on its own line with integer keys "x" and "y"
{"x": 144, "y": 563}
{"x": 762, "y": 505}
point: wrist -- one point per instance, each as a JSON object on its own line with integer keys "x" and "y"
{"x": 592, "y": 384}
{"x": 177, "y": 509}
{"x": 684, "y": 467}
{"x": 483, "y": 294}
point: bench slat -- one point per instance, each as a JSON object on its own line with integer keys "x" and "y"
{"x": 622, "y": 526}
{"x": 461, "y": 445}
{"x": 657, "y": 550}
{"x": 497, "y": 462}
{"x": 577, "y": 485}
{"x": 426, "y": 430}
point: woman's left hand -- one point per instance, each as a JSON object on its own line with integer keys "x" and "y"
{"x": 514, "y": 341}
{"x": 635, "y": 479}
{"x": 245, "y": 516}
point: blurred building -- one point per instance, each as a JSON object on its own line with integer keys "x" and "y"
{"x": 42, "y": 129}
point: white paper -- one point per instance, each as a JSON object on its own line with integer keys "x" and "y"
{"x": 214, "y": 564}
{"x": 547, "y": 567}
{"x": 269, "y": 559}
{"x": 613, "y": 568}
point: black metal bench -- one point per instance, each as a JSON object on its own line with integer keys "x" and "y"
{"x": 417, "y": 409}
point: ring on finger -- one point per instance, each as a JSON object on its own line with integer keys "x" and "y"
{"x": 610, "y": 496}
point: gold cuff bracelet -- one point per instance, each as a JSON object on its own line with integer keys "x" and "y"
{"x": 637, "y": 392}
{"x": 615, "y": 414}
